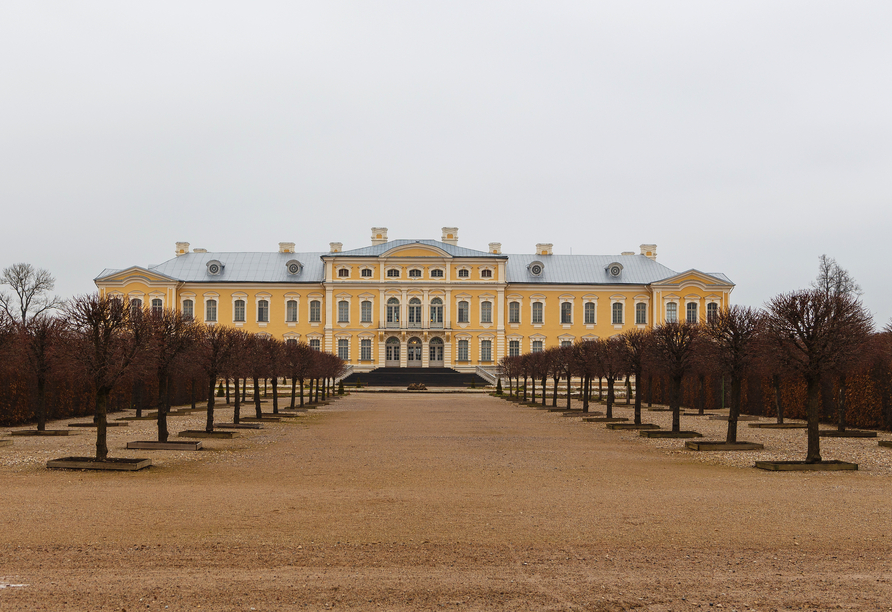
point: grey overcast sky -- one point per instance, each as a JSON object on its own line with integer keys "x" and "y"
{"x": 740, "y": 137}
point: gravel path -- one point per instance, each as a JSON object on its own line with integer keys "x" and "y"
{"x": 430, "y": 502}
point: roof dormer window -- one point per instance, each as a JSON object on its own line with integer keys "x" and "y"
{"x": 215, "y": 267}
{"x": 414, "y": 273}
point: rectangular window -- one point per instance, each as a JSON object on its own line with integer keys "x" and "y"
{"x": 486, "y": 350}
{"x": 537, "y": 346}
{"x": 566, "y": 313}
{"x": 366, "y": 311}
{"x": 291, "y": 311}
{"x": 692, "y": 312}
{"x": 641, "y": 313}
{"x": 291, "y": 341}
{"x": 537, "y": 312}
{"x": 315, "y": 311}
{"x": 514, "y": 348}
{"x": 617, "y": 313}
{"x": 712, "y": 311}
{"x": 671, "y": 312}
{"x": 210, "y": 313}
{"x": 463, "y": 350}
{"x": 315, "y": 344}
{"x": 238, "y": 311}
{"x": 514, "y": 312}
{"x": 365, "y": 348}
{"x": 343, "y": 311}
{"x": 486, "y": 312}
{"x": 344, "y": 349}
{"x": 263, "y": 311}
{"x": 462, "y": 312}
{"x": 188, "y": 306}
{"x": 589, "y": 313}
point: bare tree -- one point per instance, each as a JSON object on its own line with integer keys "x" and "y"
{"x": 214, "y": 347}
{"x": 40, "y": 336}
{"x": 834, "y": 280}
{"x": 674, "y": 349}
{"x": 638, "y": 347}
{"x": 733, "y": 335}
{"x": 31, "y": 292}
{"x": 814, "y": 333}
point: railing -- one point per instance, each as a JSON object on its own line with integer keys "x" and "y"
{"x": 393, "y": 324}
{"x": 348, "y": 370}
{"x": 414, "y": 325}
{"x": 487, "y": 374}
{"x": 436, "y": 325}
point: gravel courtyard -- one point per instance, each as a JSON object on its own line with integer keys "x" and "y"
{"x": 441, "y": 501}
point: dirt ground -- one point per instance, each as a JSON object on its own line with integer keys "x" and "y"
{"x": 433, "y": 502}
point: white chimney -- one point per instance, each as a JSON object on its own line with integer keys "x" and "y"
{"x": 450, "y": 236}
{"x": 544, "y": 248}
{"x": 182, "y": 248}
{"x": 627, "y": 253}
{"x": 495, "y": 248}
{"x": 649, "y": 251}
{"x": 199, "y": 250}
{"x": 379, "y": 235}
{"x": 336, "y": 246}
{"x": 286, "y": 247}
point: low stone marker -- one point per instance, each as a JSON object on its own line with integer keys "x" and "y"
{"x": 169, "y": 445}
{"x": 604, "y": 419}
{"x": 261, "y": 419}
{"x": 91, "y": 463}
{"x": 197, "y": 433}
{"x": 238, "y": 426}
{"x": 723, "y": 446}
{"x": 45, "y": 432}
{"x": 742, "y": 417}
{"x": 112, "y": 424}
{"x": 5, "y": 442}
{"x": 849, "y": 433}
{"x": 631, "y": 426}
{"x": 802, "y": 466}
{"x": 885, "y": 443}
{"x": 136, "y": 418}
{"x": 697, "y": 414}
{"x": 779, "y": 425}
{"x": 662, "y": 433}
{"x": 659, "y": 409}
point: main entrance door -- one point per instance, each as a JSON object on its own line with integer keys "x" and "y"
{"x": 392, "y": 347}
{"x": 436, "y": 353}
{"x": 413, "y": 355}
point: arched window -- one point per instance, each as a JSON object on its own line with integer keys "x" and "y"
{"x": 393, "y": 312}
{"x": 463, "y": 352}
{"x": 566, "y": 313}
{"x": 343, "y": 311}
{"x": 188, "y": 309}
{"x": 436, "y": 273}
{"x": 365, "y": 311}
{"x": 671, "y": 312}
{"x": 414, "y": 312}
{"x": 210, "y": 310}
{"x": 537, "y": 312}
{"x": 291, "y": 311}
{"x": 156, "y": 306}
{"x": 463, "y": 315}
{"x": 485, "y": 273}
{"x": 514, "y": 312}
{"x": 238, "y": 311}
{"x": 393, "y": 273}
{"x": 414, "y": 273}
{"x": 263, "y": 311}
{"x": 435, "y": 352}
{"x": 691, "y": 309}
{"x": 486, "y": 312}
{"x": 344, "y": 273}
{"x": 315, "y": 311}
{"x": 436, "y": 312}
{"x": 617, "y": 313}
{"x": 463, "y": 274}
{"x": 392, "y": 350}
{"x": 589, "y": 313}
{"x": 640, "y": 313}
{"x": 135, "y": 304}
{"x": 712, "y": 311}
{"x": 366, "y": 273}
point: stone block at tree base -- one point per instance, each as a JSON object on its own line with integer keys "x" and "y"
{"x": 112, "y": 424}
{"x": 849, "y": 433}
{"x": 742, "y": 417}
{"x": 659, "y": 409}
{"x": 661, "y": 433}
{"x": 697, "y": 414}
{"x": 169, "y": 445}
{"x": 238, "y": 426}
{"x": 5, "y": 442}
{"x": 631, "y": 426}
{"x": 802, "y": 466}
{"x": 197, "y": 433}
{"x": 45, "y": 432}
{"x": 778, "y": 425}
{"x": 261, "y": 419}
{"x": 136, "y": 418}
{"x": 723, "y": 446}
{"x": 91, "y": 463}
{"x": 604, "y": 419}
{"x": 885, "y": 443}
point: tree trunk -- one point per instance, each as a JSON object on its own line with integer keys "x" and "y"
{"x": 301, "y": 381}
{"x": 600, "y": 389}
{"x": 525, "y": 389}
{"x": 227, "y": 390}
{"x": 41, "y": 401}
{"x": 813, "y": 393}
{"x": 293, "y": 391}
{"x": 638, "y": 398}
{"x": 584, "y": 392}
{"x": 556, "y": 380}
{"x": 544, "y": 394}
{"x": 275, "y": 396}
{"x": 569, "y": 390}
{"x": 778, "y": 399}
{"x": 257, "y": 408}
{"x": 137, "y": 397}
{"x": 841, "y": 402}
{"x": 611, "y": 396}
{"x": 244, "y": 389}
{"x": 735, "y": 409}
{"x": 212, "y": 398}
{"x": 675, "y": 403}
{"x": 101, "y": 421}
{"x": 701, "y": 393}
{"x": 650, "y": 390}
{"x": 628, "y": 391}
{"x": 192, "y": 393}
{"x": 162, "y": 408}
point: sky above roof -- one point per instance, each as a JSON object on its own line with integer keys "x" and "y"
{"x": 744, "y": 138}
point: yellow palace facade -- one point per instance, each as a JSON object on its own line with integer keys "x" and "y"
{"x": 423, "y": 303}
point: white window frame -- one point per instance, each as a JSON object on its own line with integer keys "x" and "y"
{"x": 343, "y": 343}
{"x": 519, "y": 307}
{"x": 263, "y": 297}
{"x": 485, "y": 347}
{"x": 310, "y": 303}
{"x": 365, "y": 349}
{"x": 485, "y": 320}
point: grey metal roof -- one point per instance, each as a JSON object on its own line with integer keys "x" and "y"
{"x": 379, "y": 249}
{"x": 585, "y": 270}
{"x": 240, "y": 267}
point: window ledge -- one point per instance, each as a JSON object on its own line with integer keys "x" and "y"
{"x": 617, "y": 326}
{"x": 262, "y": 323}
{"x": 590, "y": 326}
{"x": 291, "y": 323}
{"x": 566, "y": 325}
{"x": 538, "y": 325}
{"x": 239, "y": 323}
{"x": 514, "y": 325}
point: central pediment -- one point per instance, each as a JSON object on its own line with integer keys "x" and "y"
{"x": 415, "y": 250}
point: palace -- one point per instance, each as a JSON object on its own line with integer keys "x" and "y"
{"x": 423, "y": 303}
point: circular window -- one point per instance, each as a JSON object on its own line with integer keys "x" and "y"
{"x": 537, "y": 270}
{"x": 615, "y": 270}
{"x": 294, "y": 268}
